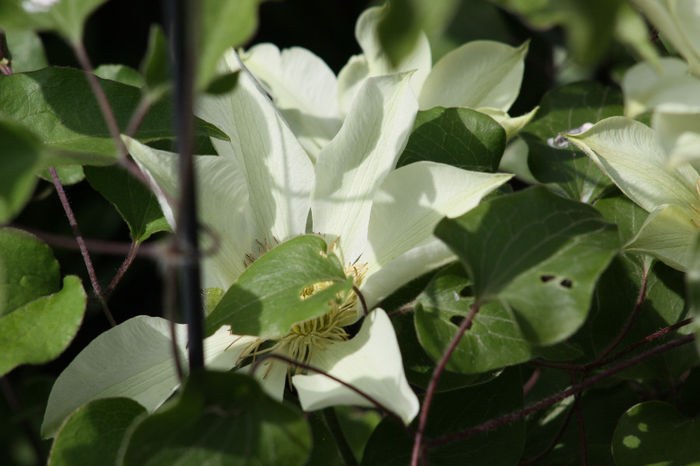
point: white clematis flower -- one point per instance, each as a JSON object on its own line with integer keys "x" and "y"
{"x": 483, "y": 75}
{"x": 259, "y": 190}
{"x": 633, "y": 157}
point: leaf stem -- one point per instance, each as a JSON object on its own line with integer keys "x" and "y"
{"x": 95, "y": 245}
{"x": 343, "y": 447}
{"x": 130, "y": 256}
{"x": 546, "y": 402}
{"x": 81, "y": 244}
{"x": 417, "y": 453}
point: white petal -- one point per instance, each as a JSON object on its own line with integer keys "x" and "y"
{"x": 353, "y": 165}
{"x": 687, "y": 16}
{"x": 478, "y": 74}
{"x": 629, "y": 153}
{"x": 133, "y": 360}
{"x": 222, "y": 350}
{"x": 678, "y": 129}
{"x": 371, "y": 362}
{"x": 646, "y": 86}
{"x": 406, "y": 267}
{"x": 417, "y": 60}
{"x": 661, "y": 16}
{"x": 512, "y": 125}
{"x": 271, "y": 375}
{"x": 304, "y": 89}
{"x": 414, "y": 198}
{"x": 223, "y": 206}
{"x": 278, "y": 173}
{"x": 350, "y": 79}
{"x": 668, "y": 234}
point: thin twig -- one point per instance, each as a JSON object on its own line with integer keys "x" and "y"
{"x": 416, "y": 454}
{"x": 137, "y": 117}
{"x": 403, "y": 309}
{"x": 633, "y": 317}
{"x": 377, "y": 404}
{"x": 81, "y": 243}
{"x": 534, "y": 377}
{"x": 115, "y": 248}
{"x": 579, "y": 421}
{"x": 508, "y": 418}
{"x": 361, "y": 297}
{"x": 334, "y": 427}
{"x": 130, "y": 256}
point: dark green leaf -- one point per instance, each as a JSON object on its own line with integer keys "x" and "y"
{"x": 653, "y": 432}
{"x": 28, "y": 269}
{"x": 494, "y": 341}
{"x": 27, "y": 51}
{"x": 225, "y": 24}
{"x": 40, "y": 330}
{"x": 120, "y": 73}
{"x": 220, "y": 418}
{"x": 65, "y": 16}
{"x": 536, "y": 253}
{"x": 628, "y": 216}
{"x": 136, "y": 204}
{"x": 223, "y": 83}
{"x": 692, "y": 280}
{"x": 554, "y": 161}
{"x": 91, "y": 436}
{"x": 399, "y": 29}
{"x": 461, "y": 137}
{"x": 19, "y": 158}
{"x": 267, "y": 298}
{"x": 155, "y": 66}
{"x": 390, "y": 444}
{"x": 44, "y": 101}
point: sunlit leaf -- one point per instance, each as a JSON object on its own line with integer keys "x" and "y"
{"x": 28, "y": 269}
{"x": 40, "y": 330}
{"x": 268, "y": 298}
{"x": 27, "y": 51}
{"x": 538, "y": 254}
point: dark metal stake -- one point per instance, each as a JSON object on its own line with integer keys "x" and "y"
{"x": 182, "y": 20}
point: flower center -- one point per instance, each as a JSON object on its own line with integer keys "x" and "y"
{"x": 308, "y": 337}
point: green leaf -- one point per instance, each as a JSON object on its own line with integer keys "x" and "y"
{"x": 220, "y": 418}
{"x": 40, "y": 330}
{"x": 19, "y": 157}
{"x": 620, "y": 210}
{"x": 267, "y": 298}
{"x": 28, "y": 269}
{"x": 537, "y": 254}
{"x": 155, "y": 65}
{"x": 224, "y": 25}
{"x": 653, "y": 432}
{"x": 27, "y": 51}
{"x": 136, "y": 204}
{"x": 553, "y": 160}
{"x": 460, "y": 137}
{"x": 399, "y": 28}
{"x": 67, "y": 17}
{"x": 692, "y": 281}
{"x": 390, "y": 444}
{"x": 44, "y": 101}
{"x": 121, "y": 74}
{"x": 494, "y": 341}
{"x": 91, "y": 436}
{"x": 68, "y": 174}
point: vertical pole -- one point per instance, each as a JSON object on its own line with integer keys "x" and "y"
{"x": 183, "y": 17}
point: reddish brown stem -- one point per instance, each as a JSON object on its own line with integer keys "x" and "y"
{"x": 81, "y": 244}
{"x": 534, "y": 377}
{"x": 417, "y": 452}
{"x": 544, "y": 403}
{"x": 316, "y": 370}
{"x": 94, "y": 245}
{"x": 130, "y": 256}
